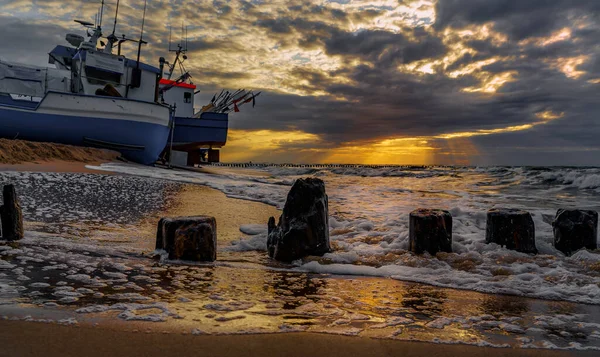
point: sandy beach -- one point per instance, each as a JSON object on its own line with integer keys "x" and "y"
{"x": 20, "y": 155}
{"x": 29, "y": 152}
{"x": 51, "y": 340}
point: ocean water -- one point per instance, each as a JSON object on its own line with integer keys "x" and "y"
{"x": 78, "y": 252}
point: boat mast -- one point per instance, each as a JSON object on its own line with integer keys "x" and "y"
{"x": 136, "y": 73}
{"x": 101, "y": 13}
{"x": 181, "y": 49}
{"x": 141, "y": 35}
{"x": 112, "y": 39}
{"x": 116, "y": 16}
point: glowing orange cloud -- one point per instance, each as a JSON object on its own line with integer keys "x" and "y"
{"x": 453, "y": 147}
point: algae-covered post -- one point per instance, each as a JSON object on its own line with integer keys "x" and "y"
{"x": 430, "y": 230}
{"x": 11, "y": 215}
{"x": 188, "y": 238}
{"x": 575, "y": 229}
{"x": 512, "y": 228}
{"x": 303, "y": 227}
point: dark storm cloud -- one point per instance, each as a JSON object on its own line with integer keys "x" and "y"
{"x": 210, "y": 45}
{"x": 294, "y": 32}
{"x": 370, "y": 94}
{"x": 517, "y": 18}
{"x": 556, "y": 143}
{"x": 26, "y": 42}
{"x": 395, "y": 104}
{"x": 385, "y": 48}
{"x": 276, "y": 25}
{"x": 385, "y": 101}
{"x": 222, "y": 7}
{"x": 593, "y": 66}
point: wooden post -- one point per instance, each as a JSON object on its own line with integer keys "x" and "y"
{"x": 430, "y": 230}
{"x": 575, "y": 229}
{"x": 512, "y": 228}
{"x": 11, "y": 215}
{"x": 188, "y": 238}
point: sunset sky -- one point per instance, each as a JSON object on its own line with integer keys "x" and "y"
{"x": 480, "y": 82}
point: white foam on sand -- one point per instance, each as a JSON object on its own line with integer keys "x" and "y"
{"x": 253, "y": 229}
{"x": 234, "y": 186}
{"x": 257, "y": 242}
{"x": 369, "y": 210}
{"x": 133, "y": 311}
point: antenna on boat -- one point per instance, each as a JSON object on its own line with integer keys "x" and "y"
{"x": 116, "y": 16}
{"x": 182, "y": 48}
{"x": 141, "y": 34}
{"x": 112, "y": 39}
{"x": 101, "y": 13}
{"x": 136, "y": 73}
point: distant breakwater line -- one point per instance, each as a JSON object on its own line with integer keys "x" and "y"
{"x": 324, "y": 166}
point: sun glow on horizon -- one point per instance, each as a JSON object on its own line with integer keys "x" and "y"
{"x": 453, "y": 147}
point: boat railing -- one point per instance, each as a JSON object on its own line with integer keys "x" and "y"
{"x": 23, "y": 80}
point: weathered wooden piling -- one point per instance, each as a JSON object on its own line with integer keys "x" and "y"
{"x": 11, "y": 215}
{"x": 575, "y": 229}
{"x": 512, "y": 228}
{"x": 430, "y": 230}
{"x": 188, "y": 238}
{"x": 303, "y": 227}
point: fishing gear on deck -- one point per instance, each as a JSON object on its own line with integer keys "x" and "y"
{"x": 227, "y": 101}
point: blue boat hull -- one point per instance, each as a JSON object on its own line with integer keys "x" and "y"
{"x": 137, "y": 141}
{"x": 210, "y": 130}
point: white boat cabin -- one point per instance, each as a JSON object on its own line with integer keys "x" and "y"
{"x": 179, "y": 94}
{"x": 85, "y": 70}
{"x": 92, "y": 70}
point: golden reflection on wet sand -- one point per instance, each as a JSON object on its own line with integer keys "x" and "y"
{"x": 186, "y": 200}
{"x": 239, "y": 293}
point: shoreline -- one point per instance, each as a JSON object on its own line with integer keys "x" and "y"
{"x": 62, "y": 166}
{"x": 80, "y": 340}
{"x": 196, "y": 198}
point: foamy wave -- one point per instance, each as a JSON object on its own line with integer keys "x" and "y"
{"x": 577, "y": 178}
{"x": 369, "y": 223}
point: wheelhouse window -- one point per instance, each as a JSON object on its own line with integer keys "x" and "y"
{"x": 187, "y": 97}
{"x": 98, "y": 76}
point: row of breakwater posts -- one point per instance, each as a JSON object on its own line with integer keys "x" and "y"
{"x": 316, "y": 166}
{"x": 303, "y": 228}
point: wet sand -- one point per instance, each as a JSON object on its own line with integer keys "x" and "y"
{"x": 114, "y": 336}
{"x": 223, "y": 170}
{"x": 54, "y": 340}
{"x": 192, "y": 200}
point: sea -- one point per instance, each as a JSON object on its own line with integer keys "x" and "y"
{"x": 87, "y": 255}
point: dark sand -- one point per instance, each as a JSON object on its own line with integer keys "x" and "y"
{"x": 39, "y": 339}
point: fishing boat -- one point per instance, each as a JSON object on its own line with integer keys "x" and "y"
{"x": 91, "y": 97}
{"x": 197, "y": 134}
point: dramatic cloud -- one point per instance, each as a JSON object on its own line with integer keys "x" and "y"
{"x": 375, "y": 81}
